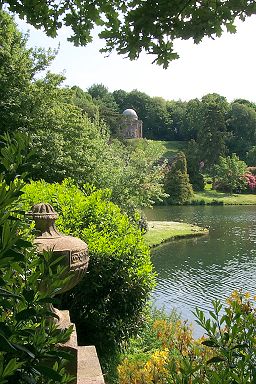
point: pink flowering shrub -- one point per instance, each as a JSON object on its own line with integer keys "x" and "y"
{"x": 251, "y": 182}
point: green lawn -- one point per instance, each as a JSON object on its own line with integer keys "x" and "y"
{"x": 162, "y": 231}
{"x": 214, "y": 197}
{"x": 172, "y": 147}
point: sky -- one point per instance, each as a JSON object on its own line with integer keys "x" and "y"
{"x": 225, "y": 65}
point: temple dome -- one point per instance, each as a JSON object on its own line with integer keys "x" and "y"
{"x": 131, "y": 114}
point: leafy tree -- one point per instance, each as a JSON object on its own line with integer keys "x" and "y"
{"x": 120, "y": 97}
{"x": 193, "y": 164}
{"x": 108, "y": 109}
{"x": 193, "y": 120}
{"x": 98, "y": 91}
{"x": 139, "y": 101}
{"x": 242, "y": 125}
{"x": 177, "y": 183}
{"x": 251, "y": 156}
{"x": 229, "y": 174}
{"x": 84, "y": 101}
{"x": 133, "y": 173}
{"x": 213, "y": 134}
{"x": 131, "y": 27}
{"x": 176, "y": 111}
{"x": 18, "y": 67}
{"x": 66, "y": 142}
{"x": 141, "y": 175}
{"x": 159, "y": 119}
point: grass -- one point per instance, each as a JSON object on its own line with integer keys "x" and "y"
{"x": 162, "y": 231}
{"x": 214, "y": 197}
{"x": 173, "y": 147}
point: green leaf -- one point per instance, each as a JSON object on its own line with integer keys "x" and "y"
{"x": 46, "y": 300}
{"x": 5, "y": 293}
{"x": 11, "y": 367}
{"x": 24, "y": 349}
{"x": 29, "y": 294}
{"x": 210, "y": 343}
{"x": 5, "y": 329}
{"x": 215, "y": 359}
{"x": 63, "y": 354}
{"x": 5, "y": 345}
{"x": 15, "y": 255}
{"x": 21, "y": 243}
{"x": 48, "y": 372}
{"x": 25, "y": 314}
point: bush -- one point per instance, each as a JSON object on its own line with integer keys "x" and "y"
{"x": 107, "y": 305}
{"x": 28, "y": 339}
{"x": 177, "y": 183}
{"x": 229, "y": 174}
{"x": 166, "y": 352}
{"x": 251, "y": 182}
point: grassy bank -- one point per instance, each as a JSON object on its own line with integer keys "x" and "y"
{"x": 162, "y": 231}
{"x": 214, "y": 197}
{"x": 172, "y": 147}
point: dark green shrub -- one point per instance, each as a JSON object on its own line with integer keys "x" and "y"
{"x": 193, "y": 166}
{"x": 251, "y": 156}
{"x": 197, "y": 181}
{"x": 107, "y": 305}
{"x": 177, "y": 183}
{"x": 28, "y": 340}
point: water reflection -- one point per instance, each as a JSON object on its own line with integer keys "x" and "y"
{"x": 193, "y": 272}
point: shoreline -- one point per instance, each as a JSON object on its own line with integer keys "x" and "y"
{"x": 160, "y": 232}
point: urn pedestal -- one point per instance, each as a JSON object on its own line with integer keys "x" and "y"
{"x": 73, "y": 254}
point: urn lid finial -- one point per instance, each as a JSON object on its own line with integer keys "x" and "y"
{"x": 43, "y": 211}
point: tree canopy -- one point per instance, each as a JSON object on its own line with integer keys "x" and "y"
{"x": 133, "y": 26}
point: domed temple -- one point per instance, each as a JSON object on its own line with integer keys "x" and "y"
{"x": 131, "y": 126}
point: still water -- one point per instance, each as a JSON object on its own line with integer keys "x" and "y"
{"x": 193, "y": 272}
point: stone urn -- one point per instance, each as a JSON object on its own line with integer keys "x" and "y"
{"x": 74, "y": 250}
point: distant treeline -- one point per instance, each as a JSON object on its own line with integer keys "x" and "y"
{"x": 211, "y": 121}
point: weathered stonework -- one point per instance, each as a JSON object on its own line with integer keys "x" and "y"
{"x": 74, "y": 250}
{"x": 131, "y": 127}
{"x": 85, "y": 365}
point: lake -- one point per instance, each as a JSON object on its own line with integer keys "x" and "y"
{"x": 193, "y": 272}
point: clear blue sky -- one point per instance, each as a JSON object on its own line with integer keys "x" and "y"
{"x": 225, "y": 65}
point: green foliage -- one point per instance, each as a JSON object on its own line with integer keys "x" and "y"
{"x": 132, "y": 27}
{"x": 107, "y": 305}
{"x": 18, "y": 66}
{"x": 84, "y": 101}
{"x": 229, "y": 174}
{"x": 177, "y": 117}
{"x": 138, "y": 174}
{"x": 251, "y": 156}
{"x": 28, "y": 338}
{"x": 151, "y": 110}
{"x": 108, "y": 109}
{"x": 231, "y": 335}
{"x": 177, "y": 183}
{"x": 65, "y": 141}
{"x": 242, "y": 124}
{"x": 193, "y": 162}
{"x": 213, "y": 135}
{"x": 166, "y": 352}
